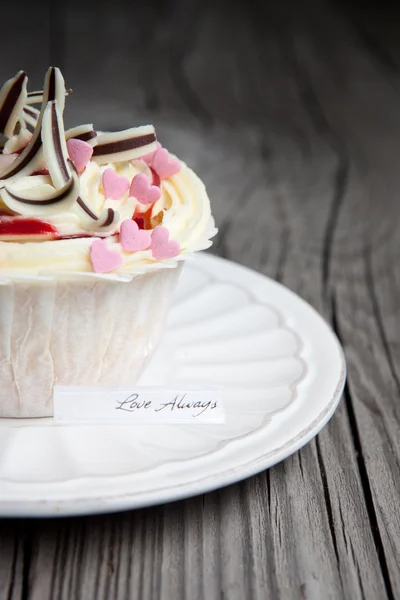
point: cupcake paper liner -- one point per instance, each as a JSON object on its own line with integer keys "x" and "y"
{"x": 88, "y": 332}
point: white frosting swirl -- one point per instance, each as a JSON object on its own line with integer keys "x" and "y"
{"x": 184, "y": 206}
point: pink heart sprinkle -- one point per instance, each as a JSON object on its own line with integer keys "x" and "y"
{"x": 161, "y": 245}
{"x": 132, "y": 238}
{"x": 148, "y": 158}
{"x": 80, "y": 153}
{"x": 164, "y": 165}
{"x": 103, "y": 259}
{"x": 143, "y": 191}
{"x": 114, "y": 186}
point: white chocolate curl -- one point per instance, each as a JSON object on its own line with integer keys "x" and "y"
{"x": 30, "y": 115}
{"x": 43, "y": 201}
{"x": 13, "y": 96}
{"x": 125, "y": 145}
{"x": 85, "y": 133}
{"x": 31, "y": 159}
{"x": 54, "y": 145}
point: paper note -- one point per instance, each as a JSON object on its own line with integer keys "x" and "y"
{"x": 142, "y": 405}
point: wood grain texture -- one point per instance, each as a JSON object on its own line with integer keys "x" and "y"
{"x": 291, "y": 116}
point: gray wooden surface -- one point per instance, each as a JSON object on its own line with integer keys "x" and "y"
{"x": 291, "y": 114}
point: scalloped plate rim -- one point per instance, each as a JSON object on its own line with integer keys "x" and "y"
{"x": 125, "y": 500}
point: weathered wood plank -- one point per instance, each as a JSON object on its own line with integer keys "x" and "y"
{"x": 11, "y": 561}
{"x": 366, "y": 299}
{"x": 294, "y": 125}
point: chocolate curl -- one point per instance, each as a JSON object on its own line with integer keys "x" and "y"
{"x": 13, "y": 96}
{"x": 30, "y": 115}
{"x": 124, "y": 145}
{"x": 31, "y": 157}
{"x": 105, "y": 222}
{"x": 85, "y": 133}
{"x": 43, "y": 203}
{"x": 54, "y": 145}
{"x": 108, "y": 219}
{"x": 37, "y": 97}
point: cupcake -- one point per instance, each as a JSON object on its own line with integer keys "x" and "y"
{"x": 94, "y": 229}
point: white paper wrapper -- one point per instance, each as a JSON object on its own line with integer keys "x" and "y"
{"x": 83, "y": 332}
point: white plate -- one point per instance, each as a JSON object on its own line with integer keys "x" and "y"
{"x": 283, "y": 371}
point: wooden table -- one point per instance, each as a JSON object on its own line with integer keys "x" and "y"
{"x": 291, "y": 114}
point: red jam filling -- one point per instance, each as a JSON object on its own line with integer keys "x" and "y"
{"x": 22, "y": 227}
{"x": 156, "y": 178}
{"x": 139, "y": 222}
{"x": 43, "y": 171}
{"x": 142, "y": 219}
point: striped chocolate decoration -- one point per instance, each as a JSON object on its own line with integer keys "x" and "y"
{"x": 32, "y": 149}
{"x": 124, "y": 145}
{"x": 110, "y": 218}
{"x": 10, "y": 100}
{"x": 56, "y": 201}
{"x": 32, "y": 112}
{"x": 46, "y": 153}
{"x": 107, "y": 217}
{"x": 35, "y": 97}
{"x": 85, "y": 133}
{"x": 30, "y": 116}
{"x": 86, "y": 209}
{"x": 87, "y": 136}
{"x": 55, "y": 133}
{"x": 63, "y": 193}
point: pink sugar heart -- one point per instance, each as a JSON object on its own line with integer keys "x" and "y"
{"x": 148, "y": 158}
{"x": 80, "y": 153}
{"x": 103, "y": 259}
{"x": 132, "y": 238}
{"x": 114, "y": 186}
{"x": 143, "y": 191}
{"x": 161, "y": 245}
{"x": 164, "y": 165}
